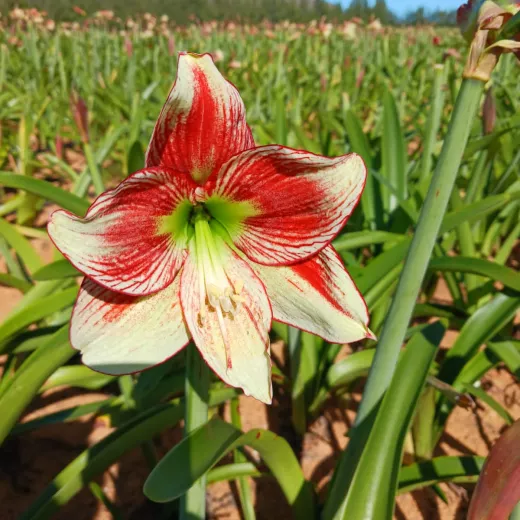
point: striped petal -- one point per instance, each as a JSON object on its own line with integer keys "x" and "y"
{"x": 121, "y": 334}
{"x": 234, "y": 344}
{"x": 203, "y": 122}
{"x": 318, "y": 296}
{"x": 120, "y": 243}
{"x": 299, "y": 200}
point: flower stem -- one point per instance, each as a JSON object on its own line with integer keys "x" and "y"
{"x": 409, "y": 286}
{"x": 193, "y": 503}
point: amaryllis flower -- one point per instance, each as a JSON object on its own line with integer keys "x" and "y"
{"x": 212, "y": 240}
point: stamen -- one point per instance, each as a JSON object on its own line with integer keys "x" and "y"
{"x": 223, "y": 329}
{"x": 217, "y": 292}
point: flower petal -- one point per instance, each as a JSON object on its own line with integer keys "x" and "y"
{"x": 120, "y": 243}
{"x": 203, "y": 122}
{"x": 235, "y": 346}
{"x": 120, "y": 334}
{"x": 301, "y": 200}
{"x": 318, "y": 296}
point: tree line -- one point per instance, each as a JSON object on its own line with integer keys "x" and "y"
{"x": 184, "y": 11}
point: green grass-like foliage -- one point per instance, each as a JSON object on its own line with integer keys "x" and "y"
{"x": 388, "y": 95}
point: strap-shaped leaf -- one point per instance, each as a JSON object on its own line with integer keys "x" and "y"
{"x": 500, "y": 273}
{"x": 393, "y": 149}
{"x": 34, "y": 312}
{"x": 47, "y": 191}
{"x": 480, "y": 327}
{"x": 439, "y": 469}
{"x": 200, "y": 451}
{"x": 30, "y": 376}
{"x": 374, "y": 484}
{"x": 96, "y": 459}
{"x": 21, "y": 246}
{"x": 56, "y": 270}
{"x": 79, "y": 376}
{"x": 509, "y": 353}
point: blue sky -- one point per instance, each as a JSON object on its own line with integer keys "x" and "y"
{"x": 401, "y": 7}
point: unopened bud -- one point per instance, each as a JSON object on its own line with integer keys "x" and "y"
{"x": 129, "y": 48}
{"x": 171, "y": 45}
{"x": 58, "y": 142}
{"x": 80, "y": 114}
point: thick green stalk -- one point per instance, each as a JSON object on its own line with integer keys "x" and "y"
{"x": 400, "y": 313}
{"x": 193, "y": 503}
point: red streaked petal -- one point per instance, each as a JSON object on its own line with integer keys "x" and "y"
{"x": 238, "y": 349}
{"x": 301, "y": 200}
{"x": 318, "y": 296}
{"x": 121, "y": 334}
{"x": 118, "y": 244}
{"x": 203, "y": 122}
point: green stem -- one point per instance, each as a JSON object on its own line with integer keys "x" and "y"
{"x": 95, "y": 174}
{"x": 401, "y": 309}
{"x": 193, "y": 503}
{"x": 244, "y": 491}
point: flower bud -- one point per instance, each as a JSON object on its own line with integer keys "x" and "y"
{"x": 80, "y": 115}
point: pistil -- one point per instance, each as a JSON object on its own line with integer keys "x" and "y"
{"x": 217, "y": 293}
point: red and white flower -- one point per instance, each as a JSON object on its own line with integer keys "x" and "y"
{"x": 212, "y": 240}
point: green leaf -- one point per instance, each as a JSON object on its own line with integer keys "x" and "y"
{"x": 30, "y": 376}
{"x": 350, "y": 368}
{"x": 106, "y": 406}
{"x": 439, "y": 469}
{"x": 393, "y": 149}
{"x": 244, "y": 489}
{"x": 100, "y": 495}
{"x": 97, "y": 458}
{"x": 35, "y": 312}
{"x": 10, "y": 280}
{"x": 56, "y": 270}
{"x": 233, "y": 472}
{"x": 46, "y": 190}
{"x": 509, "y": 353}
{"x": 509, "y": 277}
{"x": 358, "y": 140}
{"x": 196, "y": 454}
{"x": 371, "y": 274}
{"x": 371, "y": 198}
{"x": 374, "y": 484}
{"x": 78, "y": 376}
{"x": 477, "y": 210}
{"x": 21, "y": 246}
{"x": 479, "y": 393}
{"x": 480, "y": 327}
{"x": 357, "y": 239}
{"x": 135, "y": 157}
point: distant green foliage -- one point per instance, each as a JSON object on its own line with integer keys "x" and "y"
{"x": 182, "y": 11}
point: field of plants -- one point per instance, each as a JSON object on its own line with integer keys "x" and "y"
{"x": 394, "y": 427}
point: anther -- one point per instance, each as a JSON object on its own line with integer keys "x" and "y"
{"x": 239, "y": 285}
